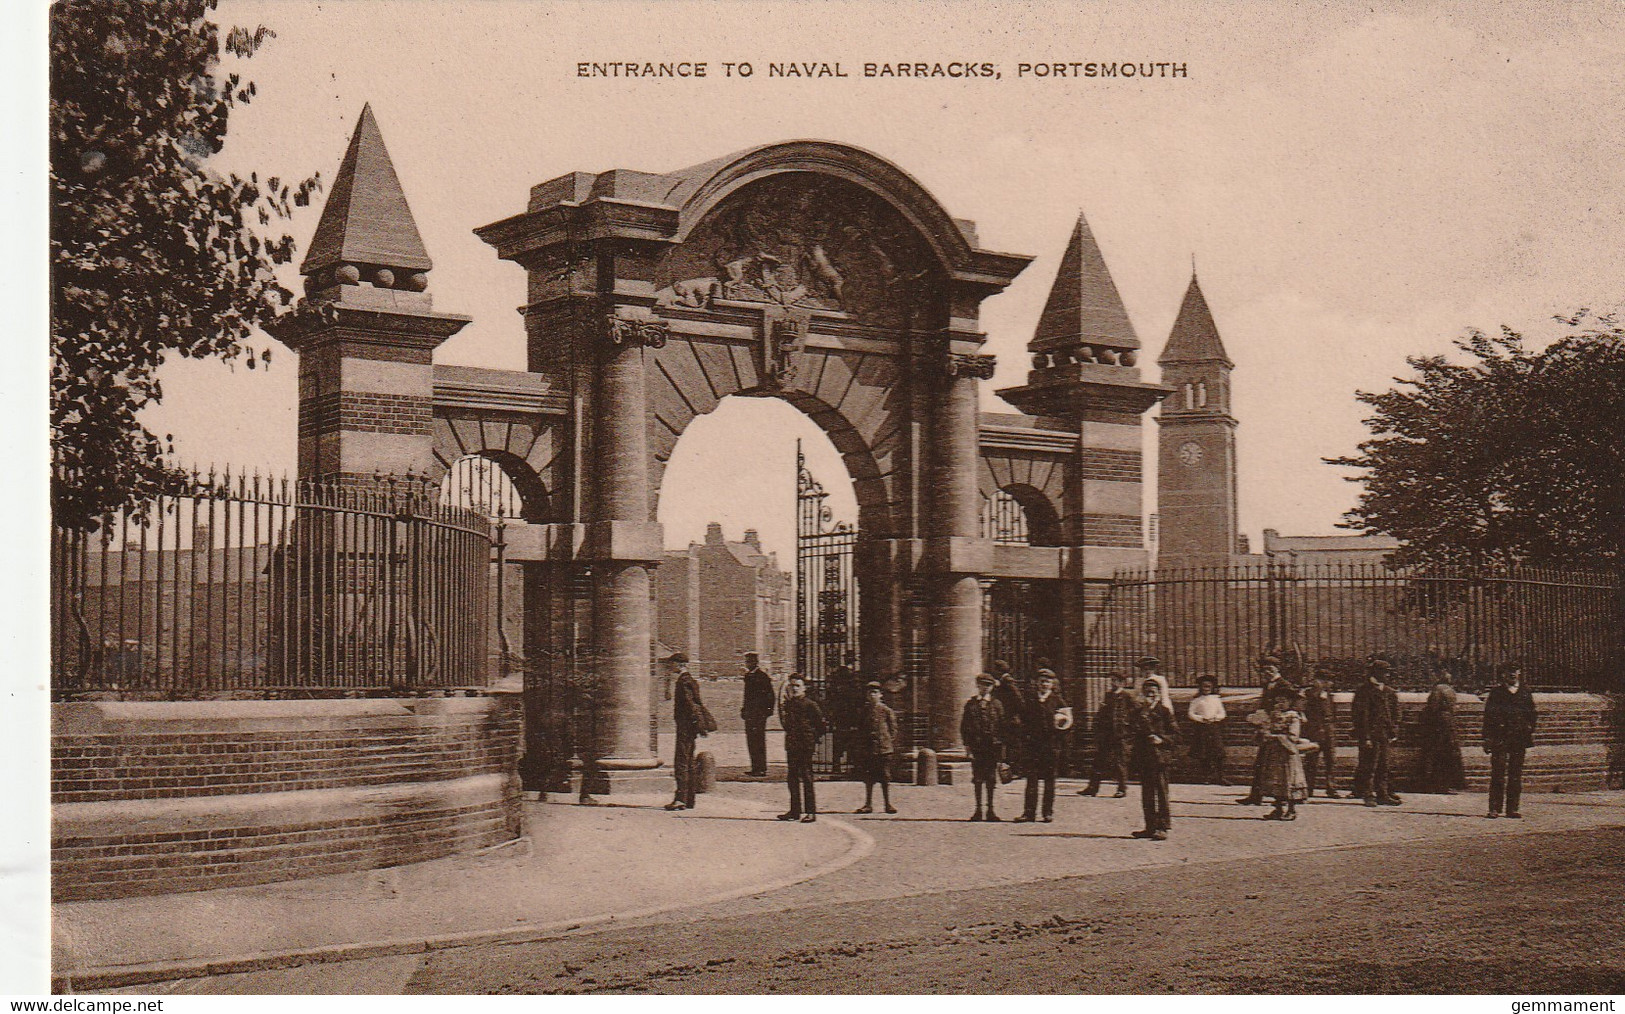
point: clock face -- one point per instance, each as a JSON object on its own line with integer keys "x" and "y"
{"x": 1190, "y": 453}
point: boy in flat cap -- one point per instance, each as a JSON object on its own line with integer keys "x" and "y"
{"x": 1155, "y": 739}
{"x": 981, "y": 729}
{"x": 877, "y": 738}
{"x": 804, "y": 725}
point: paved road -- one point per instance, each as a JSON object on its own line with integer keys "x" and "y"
{"x": 937, "y": 892}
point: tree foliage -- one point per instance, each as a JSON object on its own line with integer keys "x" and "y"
{"x": 1510, "y": 456}
{"x": 153, "y": 253}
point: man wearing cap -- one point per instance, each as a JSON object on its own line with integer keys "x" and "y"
{"x": 693, "y": 721}
{"x": 758, "y": 707}
{"x": 877, "y": 738}
{"x": 981, "y": 729}
{"x": 1509, "y": 730}
{"x": 1376, "y": 726}
{"x": 804, "y": 725}
{"x": 1045, "y": 726}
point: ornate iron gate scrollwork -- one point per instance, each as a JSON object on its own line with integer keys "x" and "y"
{"x": 826, "y": 599}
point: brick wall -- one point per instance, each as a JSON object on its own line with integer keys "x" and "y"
{"x": 1579, "y": 743}
{"x": 151, "y": 798}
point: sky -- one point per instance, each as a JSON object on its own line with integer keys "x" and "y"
{"x": 1353, "y": 184}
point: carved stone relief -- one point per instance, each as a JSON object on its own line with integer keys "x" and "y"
{"x": 801, "y": 240}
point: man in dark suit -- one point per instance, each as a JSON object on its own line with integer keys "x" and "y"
{"x": 1376, "y": 726}
{"x": 1156, "y": 735}
{"x": 843, "y": 698}
{"x": 1012, "y": 697}
{"x": 758, "y": 707}
{"x": 693, "y": 721}
{"x": 1113, "y": 732}
{"x": 804, "y": 725}
{"x": 1045, "y": 725}
{"x": 981, "y": 728}
{"x": 1509, "y": 730}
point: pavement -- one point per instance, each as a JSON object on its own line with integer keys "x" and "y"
{"x": 629, "y": 863}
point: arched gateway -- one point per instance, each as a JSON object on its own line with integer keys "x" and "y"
{"x": 808, "y": 271}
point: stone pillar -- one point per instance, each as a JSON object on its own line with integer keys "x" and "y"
{"x": 956, "y": 600}
{"x": 624, "y": 544}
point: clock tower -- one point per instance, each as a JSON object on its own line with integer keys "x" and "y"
{"x": 1196, "y": 445}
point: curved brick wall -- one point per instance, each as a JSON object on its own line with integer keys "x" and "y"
{"x": 150, "y": 798}
{"x": 1578, "y": 741}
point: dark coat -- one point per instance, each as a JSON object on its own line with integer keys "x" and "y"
{"x": 804, "y": 724}
{"x": 1114, "y": 722}
{"x": 1153, "y": 720}
{"x": 1038, "y": 723}
{"x": 981, "y": 727}
{"x": 1012, "y": 697}
{"x": 877, "y": 728}
{"x": 1509, "y": 719}
{"x": 1320, "y": 714}
{"x": 687, "y": 708}
{"x": 1376, "y": 712}
{"x": 758, "y": 695}
{"x": 843, "y": 697}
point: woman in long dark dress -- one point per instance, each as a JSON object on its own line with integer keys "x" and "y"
{"x": 1442, "y": 770}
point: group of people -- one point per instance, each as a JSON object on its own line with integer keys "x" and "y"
{"x": 1012, "y": 731}
{"x": 871, "y": 737}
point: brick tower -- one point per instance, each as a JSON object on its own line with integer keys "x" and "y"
{"x": 366, "y": 330}
{"x": 1196, "y": 446}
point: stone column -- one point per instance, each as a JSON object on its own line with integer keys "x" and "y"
{"x": 956, "y": 605}
{"x": 623, "y": 544}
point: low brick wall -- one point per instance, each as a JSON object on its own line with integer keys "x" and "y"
{"x": 1579, "y": 744}
{"x": 151, "y": 798}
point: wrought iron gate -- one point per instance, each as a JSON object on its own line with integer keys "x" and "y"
{"x": 826, "y": 604}
{"x": 1021, "y": 624}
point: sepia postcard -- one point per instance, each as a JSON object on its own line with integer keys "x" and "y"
{"x": 733, "y": 498}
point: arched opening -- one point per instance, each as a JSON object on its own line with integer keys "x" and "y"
{"x": 728, "y": 502}
{"x": 505, "y": 489}
{"x": 500, "y": 486}
{"x": 1019, "y": 516}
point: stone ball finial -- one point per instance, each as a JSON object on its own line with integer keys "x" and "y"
{"x": 347, "y": 274}
{"x": 417, "y": 281}
{"x": 384, "y": 278}
{"x": 1128, "y": 358}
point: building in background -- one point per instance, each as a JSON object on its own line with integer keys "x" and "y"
{"x": 718, "y": 599}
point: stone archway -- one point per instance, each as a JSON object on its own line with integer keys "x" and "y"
{"x": 807, "y": 271}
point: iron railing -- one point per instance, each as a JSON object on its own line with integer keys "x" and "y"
{"x": 239, "y": 583}
{"x": 1563, "y": 627}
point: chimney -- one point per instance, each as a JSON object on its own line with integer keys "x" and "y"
{"x": 751, "y": 539}
{"x": 713, "y": 534}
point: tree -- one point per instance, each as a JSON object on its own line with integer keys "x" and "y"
{"x": 152, "y": 252}
{"x": 1514, "y": 456}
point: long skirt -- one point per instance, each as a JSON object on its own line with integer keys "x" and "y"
{"x": 1441, "y": 758}
{"x": 1282, "y": 777}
